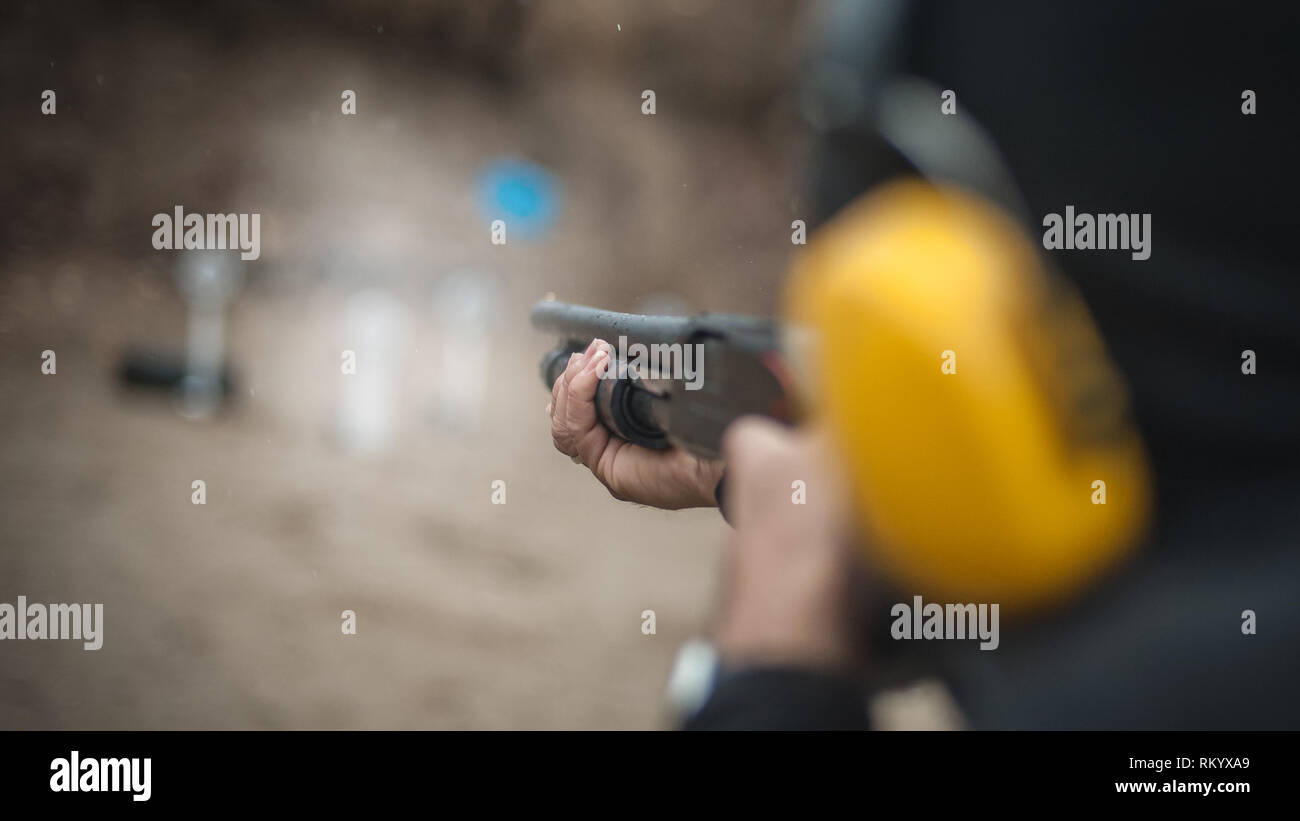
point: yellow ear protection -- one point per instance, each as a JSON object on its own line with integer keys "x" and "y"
{"x": 982, "y": 426}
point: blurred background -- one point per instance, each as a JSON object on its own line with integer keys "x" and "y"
{"x": 327, "y": 492}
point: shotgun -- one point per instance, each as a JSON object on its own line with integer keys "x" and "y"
{"x": 673, "y": 381}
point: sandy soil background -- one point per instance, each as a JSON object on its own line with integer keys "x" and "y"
{"x": 470, "y": 615}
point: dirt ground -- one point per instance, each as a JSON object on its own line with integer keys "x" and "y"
{"x": 469, "y": 614}
{"x": 227, "y": 615}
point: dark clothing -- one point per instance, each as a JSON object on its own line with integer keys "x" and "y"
{"x": 1136, "y": 107}
{"x": 1131, "y": 107}
{"x": 783, "y": 698}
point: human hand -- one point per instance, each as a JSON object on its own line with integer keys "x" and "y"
{"x": 669, "y": 479}
{"x": 793, "y": 575}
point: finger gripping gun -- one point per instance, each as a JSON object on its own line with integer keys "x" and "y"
{"x": 673, "y": 381}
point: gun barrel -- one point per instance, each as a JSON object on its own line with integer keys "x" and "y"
{"x": 583, "y": 324}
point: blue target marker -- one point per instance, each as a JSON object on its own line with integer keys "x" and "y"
{"x": 523, "y": 194}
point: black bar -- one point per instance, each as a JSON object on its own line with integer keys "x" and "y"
{"x": 330, "y": 770}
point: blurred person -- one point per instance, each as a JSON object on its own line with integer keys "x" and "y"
{"x": 1108, "y": 103}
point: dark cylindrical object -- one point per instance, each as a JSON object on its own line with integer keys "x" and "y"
{"x": 581, "y": 323}
{"x": 554, "y": 362}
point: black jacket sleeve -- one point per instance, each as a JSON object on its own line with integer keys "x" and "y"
{"x": 782, "y": 698}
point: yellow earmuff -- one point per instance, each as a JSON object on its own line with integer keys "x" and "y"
{"x": 983, "y": 428}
